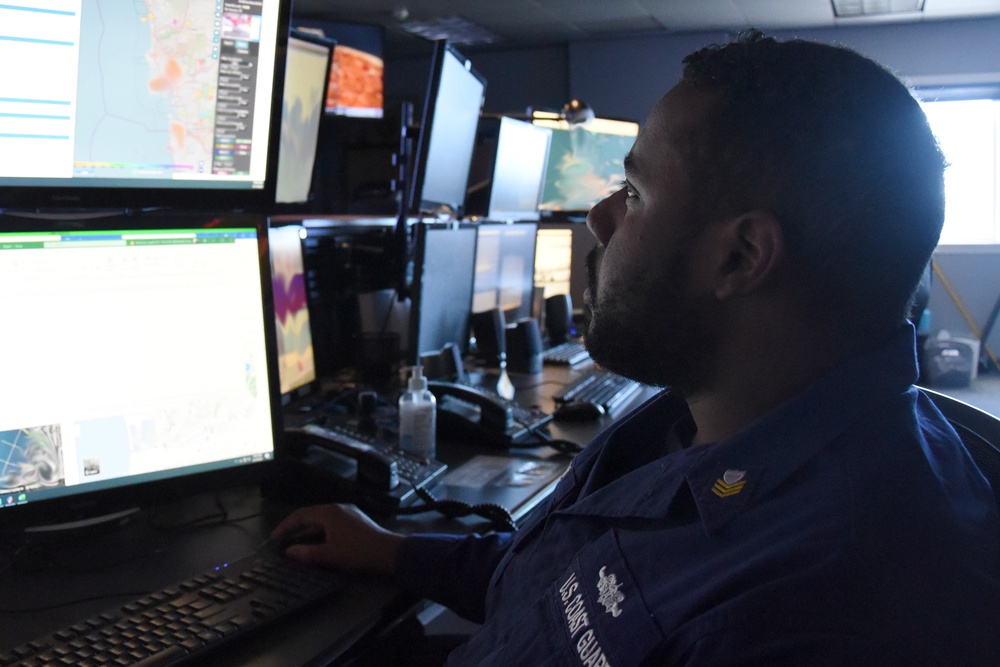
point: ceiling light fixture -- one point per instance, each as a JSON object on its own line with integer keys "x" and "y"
{"x": 455, "y": 29}
{"x": 847, "y": 8}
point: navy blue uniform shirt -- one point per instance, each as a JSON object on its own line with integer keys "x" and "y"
{"x": 849, "y": 526}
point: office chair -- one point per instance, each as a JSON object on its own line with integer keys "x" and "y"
{"x": 980, "y": 433}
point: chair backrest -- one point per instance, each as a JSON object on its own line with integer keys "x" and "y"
{"x": 979, "y": 430}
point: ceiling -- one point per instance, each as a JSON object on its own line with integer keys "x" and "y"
{"x": 530, "y": 23}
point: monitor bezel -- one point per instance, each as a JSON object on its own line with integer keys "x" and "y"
{"x": 45, "y": 199}
{"x": 87, "y": 508}
{"x": 417, "y": 201}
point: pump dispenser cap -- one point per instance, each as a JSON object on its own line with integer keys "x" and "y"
{"x": 418, "y": 382}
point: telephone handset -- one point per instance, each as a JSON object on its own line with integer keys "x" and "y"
{"x": 375, "y": 470}
{"x": 468, "y": 413}
{"x": 489, "y": 411}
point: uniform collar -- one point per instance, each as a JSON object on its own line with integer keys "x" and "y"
{"x": 730, "y": 476}
{"x": 735, "y": 473}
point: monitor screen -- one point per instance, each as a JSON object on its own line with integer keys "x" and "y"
{"x": 553, "y": 261}
{"x": 505, "y": 260}
{"x": 296, "y": 366}
{"x": 443, "y": 271}
{"x": 585, "y": 162}
{"x": 306, "y": 69}
{"x": 561, "y": 260}
{"x": 455, "y": 96}
{"x": 113, "y": 105}
{"x": 357, "y": 77}
{"x": 518, "y": 170}
{"x": 143, "y": 354}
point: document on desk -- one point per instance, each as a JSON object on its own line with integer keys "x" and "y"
{"x": 515, "y": 483}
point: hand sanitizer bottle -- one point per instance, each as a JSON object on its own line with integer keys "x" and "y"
{"x": 417, "y": 417}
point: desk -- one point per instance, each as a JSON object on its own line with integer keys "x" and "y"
{"x": 67, "y": 580}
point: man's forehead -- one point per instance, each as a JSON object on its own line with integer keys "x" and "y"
{"x": 672, "y": 125}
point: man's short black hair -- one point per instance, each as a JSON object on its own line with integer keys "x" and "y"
{"x": 837, "y": 148}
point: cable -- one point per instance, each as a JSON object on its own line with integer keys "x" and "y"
{"x": 498, "y": 516}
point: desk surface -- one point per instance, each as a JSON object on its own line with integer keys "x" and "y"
{"x": 55, "y": 582}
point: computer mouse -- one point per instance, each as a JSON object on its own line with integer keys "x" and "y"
{"x": 579, "y": 411}
{"x": 303, "y": 535}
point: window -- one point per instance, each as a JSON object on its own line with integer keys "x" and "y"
{"x": 968, "y": 131}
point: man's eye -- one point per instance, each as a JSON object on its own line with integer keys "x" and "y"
{"x": 629, "y": 190}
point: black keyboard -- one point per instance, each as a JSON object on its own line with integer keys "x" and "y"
{"x": 607, "y": 389}
{"x": 566, "y": 354}
{"x": 184, "y": 622}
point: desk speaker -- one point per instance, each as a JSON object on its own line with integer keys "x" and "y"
{"x": 558, "y": 318}
{"x": 489, "y": 328}
{"x": 524, "y": 347}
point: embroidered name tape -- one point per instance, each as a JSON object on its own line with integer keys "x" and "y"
{"x": 588, "y": 648}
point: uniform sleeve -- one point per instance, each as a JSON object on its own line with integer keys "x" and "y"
{"x": 452, "y": 570}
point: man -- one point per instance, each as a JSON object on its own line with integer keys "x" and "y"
{"x": 793, "y": 499}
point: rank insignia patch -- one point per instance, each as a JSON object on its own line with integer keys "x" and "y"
{"x": 731, "y": 483}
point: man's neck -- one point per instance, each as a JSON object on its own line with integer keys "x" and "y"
{"x": 754, "y": 380}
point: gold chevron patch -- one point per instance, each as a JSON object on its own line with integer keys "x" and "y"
{"x": 731, "y": 483}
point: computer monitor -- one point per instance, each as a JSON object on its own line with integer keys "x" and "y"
{"x": 441, "y": 294}
{"x": 585, "y": 163}
{"x": 455, "y": 96}
{"x": 135, "y": 108}
{"x": 505, "y": 260}
{"x": 508, "y": 170}
{"x": 357, "y": 78}
{"x": 140, "y": 363}
{"x": 306, "y": 70}
{"x": 561, "y": 260}
{"x": 296, "y": 364}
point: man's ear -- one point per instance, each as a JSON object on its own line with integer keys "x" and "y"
{"x": 752, "y": 246}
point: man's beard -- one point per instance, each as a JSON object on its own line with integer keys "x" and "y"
{"x": 650, "y": 331}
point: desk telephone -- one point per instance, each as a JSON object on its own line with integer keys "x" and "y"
{"x": 476, "y": 415}
{"x": 336, "y": 463}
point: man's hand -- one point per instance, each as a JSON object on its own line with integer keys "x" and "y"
{"x": 351, "y": 540}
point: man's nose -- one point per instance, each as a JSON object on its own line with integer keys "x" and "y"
{"x": 604, "y": 216}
